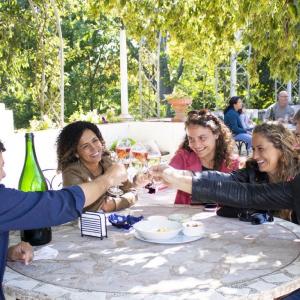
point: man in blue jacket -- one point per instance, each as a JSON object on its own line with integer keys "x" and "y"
{"x": 27, "y": 210}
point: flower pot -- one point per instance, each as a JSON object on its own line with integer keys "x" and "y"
{"x": 180, "y": 106}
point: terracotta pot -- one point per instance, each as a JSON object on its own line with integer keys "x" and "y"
{"x": 180, "y": 106}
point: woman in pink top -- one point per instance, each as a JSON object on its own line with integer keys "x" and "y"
{"x": 208, "y": 145}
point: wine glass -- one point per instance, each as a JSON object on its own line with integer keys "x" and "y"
{"x": 154, "y": 158}
{"x": 123, "y": 151}
{"x": 123, "y": 154}
{"x": 140, "y": 155}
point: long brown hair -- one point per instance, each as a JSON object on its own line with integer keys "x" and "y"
{"x": 224, "y": 143}
{"x": 283, "y": 140}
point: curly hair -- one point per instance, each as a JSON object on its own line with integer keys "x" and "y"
{"x": 297, "y": 116}
{"x": 68, "y": 139}
{"x": 224, "y": 143}
{"x": 283, "y": 140}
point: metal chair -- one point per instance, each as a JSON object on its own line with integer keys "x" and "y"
{"x": 53, "y": 179}
{"x": 239, "y": 145}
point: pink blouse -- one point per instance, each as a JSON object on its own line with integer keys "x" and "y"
{"x": 186, "y": 160}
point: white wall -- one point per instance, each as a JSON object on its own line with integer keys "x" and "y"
{"x": 6, "y": 121}
{"x": 168, "y": 135}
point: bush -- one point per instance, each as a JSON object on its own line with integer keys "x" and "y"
{"x": 41, "y": 124}
{"x": 90, "y": 116}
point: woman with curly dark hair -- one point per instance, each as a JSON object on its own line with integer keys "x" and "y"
{"x": 208, "y": 145}
{"x": 82, "y": 157}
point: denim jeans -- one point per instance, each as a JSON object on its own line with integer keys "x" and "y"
{"x": 245, "y": 137}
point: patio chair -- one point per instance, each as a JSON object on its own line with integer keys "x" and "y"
{"x": 239, "y": 145}
{"x": 53, "y": 179}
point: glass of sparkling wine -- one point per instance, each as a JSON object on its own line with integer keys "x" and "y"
{"x": 154, "y": 158}
{"x": 123, "y": 151}
{"x": 123, "y": 155}
{"x": 140, "y": 155}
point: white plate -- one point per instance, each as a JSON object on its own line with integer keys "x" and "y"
{"x": 180, "y": 238}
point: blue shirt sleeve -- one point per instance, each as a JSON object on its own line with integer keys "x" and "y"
{"x": 29, "y": 210}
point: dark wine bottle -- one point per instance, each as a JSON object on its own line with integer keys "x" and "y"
{"x": 33, "y": 180}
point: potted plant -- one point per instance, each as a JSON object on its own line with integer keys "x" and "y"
{"x": 179, "y": 101}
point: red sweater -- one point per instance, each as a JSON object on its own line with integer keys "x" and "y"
{"x": 185, "y": 160}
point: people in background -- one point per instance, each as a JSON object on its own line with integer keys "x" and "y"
{"x": 280, "y": 111}
{"x": 274, "y": 160}
{"x": 208, "y": 145}
{"x": 232, "y": 120}
{"x": 28, "y": 210}
{"x": 83, "y": 157}
{"x": 247, "y": 123}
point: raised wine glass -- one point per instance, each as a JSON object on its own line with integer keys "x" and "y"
{"x": 123, "y": 154}
{"x": 140, "y": 155}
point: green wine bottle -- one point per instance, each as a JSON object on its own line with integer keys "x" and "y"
{"x": 33, "y": 180}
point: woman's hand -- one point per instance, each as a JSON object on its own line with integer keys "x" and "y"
{"x": 21, "y": 252}
{"x": 142, "y": 179}
{"x": 164, "y": 173}
{"x": 116, "y": 173}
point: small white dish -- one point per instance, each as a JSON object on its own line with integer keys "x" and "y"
{"x": 179, "y": 217}
{"x": 157, "y": 218}
{"x": 193, "y": 228}
{"x": 180, "y": 238}
{"x": 158, "y": 230}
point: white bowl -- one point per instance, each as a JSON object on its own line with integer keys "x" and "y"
{"x": 157, "y": 218}
{"x": 179, "y": 217}
{"x": 158, "y": 230}
{"x": 193, "y": 228}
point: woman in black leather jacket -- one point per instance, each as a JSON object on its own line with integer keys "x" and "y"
{"x": 274, "y": 160}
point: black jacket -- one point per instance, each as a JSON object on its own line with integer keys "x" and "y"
{"x": 227, "y": 189}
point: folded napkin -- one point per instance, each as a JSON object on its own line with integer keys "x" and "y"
{"x": 122, "y": 221}
{"x": 45, "y": 253}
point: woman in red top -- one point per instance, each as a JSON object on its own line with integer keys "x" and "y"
{"x": 208, "y": 145}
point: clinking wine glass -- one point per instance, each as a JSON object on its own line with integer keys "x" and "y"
{"x": 123, "y": 151}
{"x": 140, "y": 155}
{"x": 123, "y": 155}
{"x": 154, "y": 158}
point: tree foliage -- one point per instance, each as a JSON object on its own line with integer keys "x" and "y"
{"x": 213, "y": 29}
{"x": 197, "y": 36}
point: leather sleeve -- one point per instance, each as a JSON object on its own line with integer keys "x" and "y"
{"x": 244, "y": 195}
{"x": 238, "y": 175}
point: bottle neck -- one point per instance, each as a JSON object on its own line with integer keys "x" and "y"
{"x": 30, "y": 149}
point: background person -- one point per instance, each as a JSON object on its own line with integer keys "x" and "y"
{"x": 247, "y": 124}
{"x": 281, "y": 110}
{"x": 232, "y": 120}
{"x": 208, "y": 145}
{"x": 28, "y": 210}
{"x": 82, "y": 157}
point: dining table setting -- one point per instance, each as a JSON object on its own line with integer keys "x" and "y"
{"x": 170, "y": 252}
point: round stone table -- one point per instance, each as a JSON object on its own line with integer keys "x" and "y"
{"x": 235, "y": 260}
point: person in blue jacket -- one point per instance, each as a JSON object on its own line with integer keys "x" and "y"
{"x": 233, "y": 121}
{"x": 27, "y": 210}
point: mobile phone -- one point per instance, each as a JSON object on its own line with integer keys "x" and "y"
{"x": 210, "y": 207}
